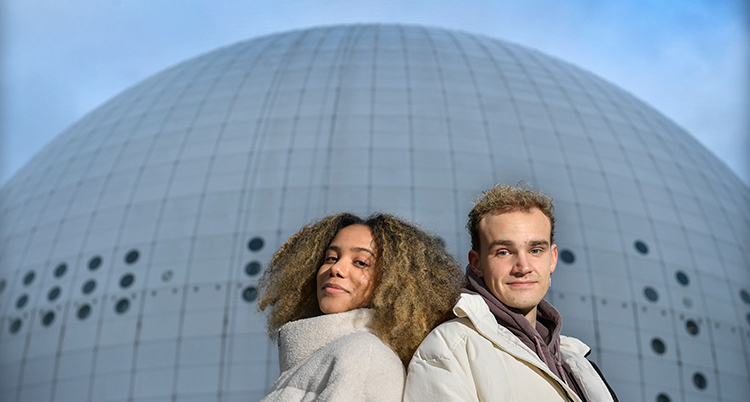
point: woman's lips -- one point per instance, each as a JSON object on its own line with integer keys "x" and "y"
{"x": 333, "y": 288}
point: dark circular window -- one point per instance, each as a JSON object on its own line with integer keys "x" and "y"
{"x": 88, "y": 287}
{"x": 252, "y": 268}
{"x": 126, "y": 280}
{"x": 29, "y": 277}
{"x": 658, "y": 346}
{"x": 650, "y": 293}
{"x": 663, "y": 398}
{"x": 21, "y": 301}
{"x": 48, "y": 318}
{"x": 95, "y": 262}
{"x": 122, "y": 306}
{"x": 692, "y": 327}
{"x": 682, "y": 278}
{"x": 132, "y": 256}
{"x": 15, "y": 326}
{"x": 255, "y": 244}
{"x": 83, "y": 312}
{"x": 641, "y": 247}
{"x": 166, "y": 275}
{"x": 250, "y": 294}
{"x": 53, "y": 293}
{"x": 60, "y": 270}
{"x": 743, "y": 295}
{"x": 2, "y": 285}
{"x": 567, "y": 256}
{"x": 699, "y": 380}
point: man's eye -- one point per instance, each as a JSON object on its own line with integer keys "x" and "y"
{"x": 503, "y": 252}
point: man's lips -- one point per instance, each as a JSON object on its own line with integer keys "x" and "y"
{"x": 521, "y": 284}
{"x": 333, "y": 288}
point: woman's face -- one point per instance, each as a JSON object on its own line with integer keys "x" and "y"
{"x": 346, "y": 280}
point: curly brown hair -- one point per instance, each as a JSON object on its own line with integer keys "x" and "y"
{"x": 418, "y": 279}
{"x": 505, "y": 198}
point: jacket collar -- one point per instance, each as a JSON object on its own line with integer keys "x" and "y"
{"x": 476, "y": 310}
{"x": 299, "y": 339}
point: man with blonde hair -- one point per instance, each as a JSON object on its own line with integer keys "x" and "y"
{"x": 505, "y": 342}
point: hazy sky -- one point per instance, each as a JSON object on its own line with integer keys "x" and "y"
{"x": 62, "y": 58}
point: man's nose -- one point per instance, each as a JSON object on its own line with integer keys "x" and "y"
{"x": 521, "y": 266}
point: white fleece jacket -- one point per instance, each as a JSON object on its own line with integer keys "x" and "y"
{"x": 336, "y": 357}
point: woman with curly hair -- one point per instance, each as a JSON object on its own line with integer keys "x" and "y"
{"x": 350, "y": 300}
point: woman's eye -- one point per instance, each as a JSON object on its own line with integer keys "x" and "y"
{"x": 361, "y": 263}
{"x": 331, "y": 259}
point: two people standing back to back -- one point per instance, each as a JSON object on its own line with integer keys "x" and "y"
{"x": 350, "y": 300}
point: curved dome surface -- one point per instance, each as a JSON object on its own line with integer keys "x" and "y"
{"x": 131, "y": 245}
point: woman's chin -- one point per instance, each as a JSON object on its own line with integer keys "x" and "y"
{"x": 333, "y": 307}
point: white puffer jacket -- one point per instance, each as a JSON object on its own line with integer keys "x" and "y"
{"x": 472, "y": 358}
{"x": 336, "y": 357}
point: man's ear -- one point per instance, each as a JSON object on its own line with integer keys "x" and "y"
{"x": 474, "y": 263}
{"x": 553, "y": 259}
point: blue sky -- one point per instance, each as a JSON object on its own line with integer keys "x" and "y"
{"x": 61, "y": 59}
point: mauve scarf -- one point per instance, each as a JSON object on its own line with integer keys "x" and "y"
{"x": 544, "y": 340}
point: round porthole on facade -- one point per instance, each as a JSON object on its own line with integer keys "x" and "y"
{"x": 61, "y": 269}
{"x": 48, "y": 318}
{"x": 692, "y": 327}
{"x": 663, "y": 398}
{"x": 250, "y": 294}
{"x": 699, "y": 380}
{"x": 687, "y": 302}
{"x": 658, "y": 346}
{"x": 122, "y": 306}
{"x": 682, "y": 278}
{"x": 166, "y": 275}
{"x": 650, "y": 293}
{"x": 94, "y": 263}
{"x": 132, "y": 256}
{"x": 88, "y": 287}
{"x": 21, "y": 301}
{"x": 743, "y": 295}
{"x": 255, "y": 244}
{"x": 641, "y": 247}
{"x": 567, "y": 256}
{"x": 126, "y": 280}
{"x": 15, "y": 326}
{"x": 252, "y": 268}
{"x": 83, "y": 312}
{"x": 29, "y": 277}
{"x": 53, "y": 293}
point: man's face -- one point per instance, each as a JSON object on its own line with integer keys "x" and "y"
{"x": 516, "y": 258}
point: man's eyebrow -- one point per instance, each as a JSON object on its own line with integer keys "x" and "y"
{"x": 541, "y": 242}
{"x": 501, "y": 242}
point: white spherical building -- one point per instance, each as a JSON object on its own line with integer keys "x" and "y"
{"x": 131, "y": 245}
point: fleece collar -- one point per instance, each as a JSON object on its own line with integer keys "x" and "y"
{"x": 301, "y": 338}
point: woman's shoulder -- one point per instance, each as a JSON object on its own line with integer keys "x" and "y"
{"x": 360, "y": 345}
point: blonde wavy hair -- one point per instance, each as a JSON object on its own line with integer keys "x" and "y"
{"x": 506, "y": 198}
{"x": 418, "y": 280}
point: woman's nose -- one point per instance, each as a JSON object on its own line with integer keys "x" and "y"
{"x": 338, "y": 269}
